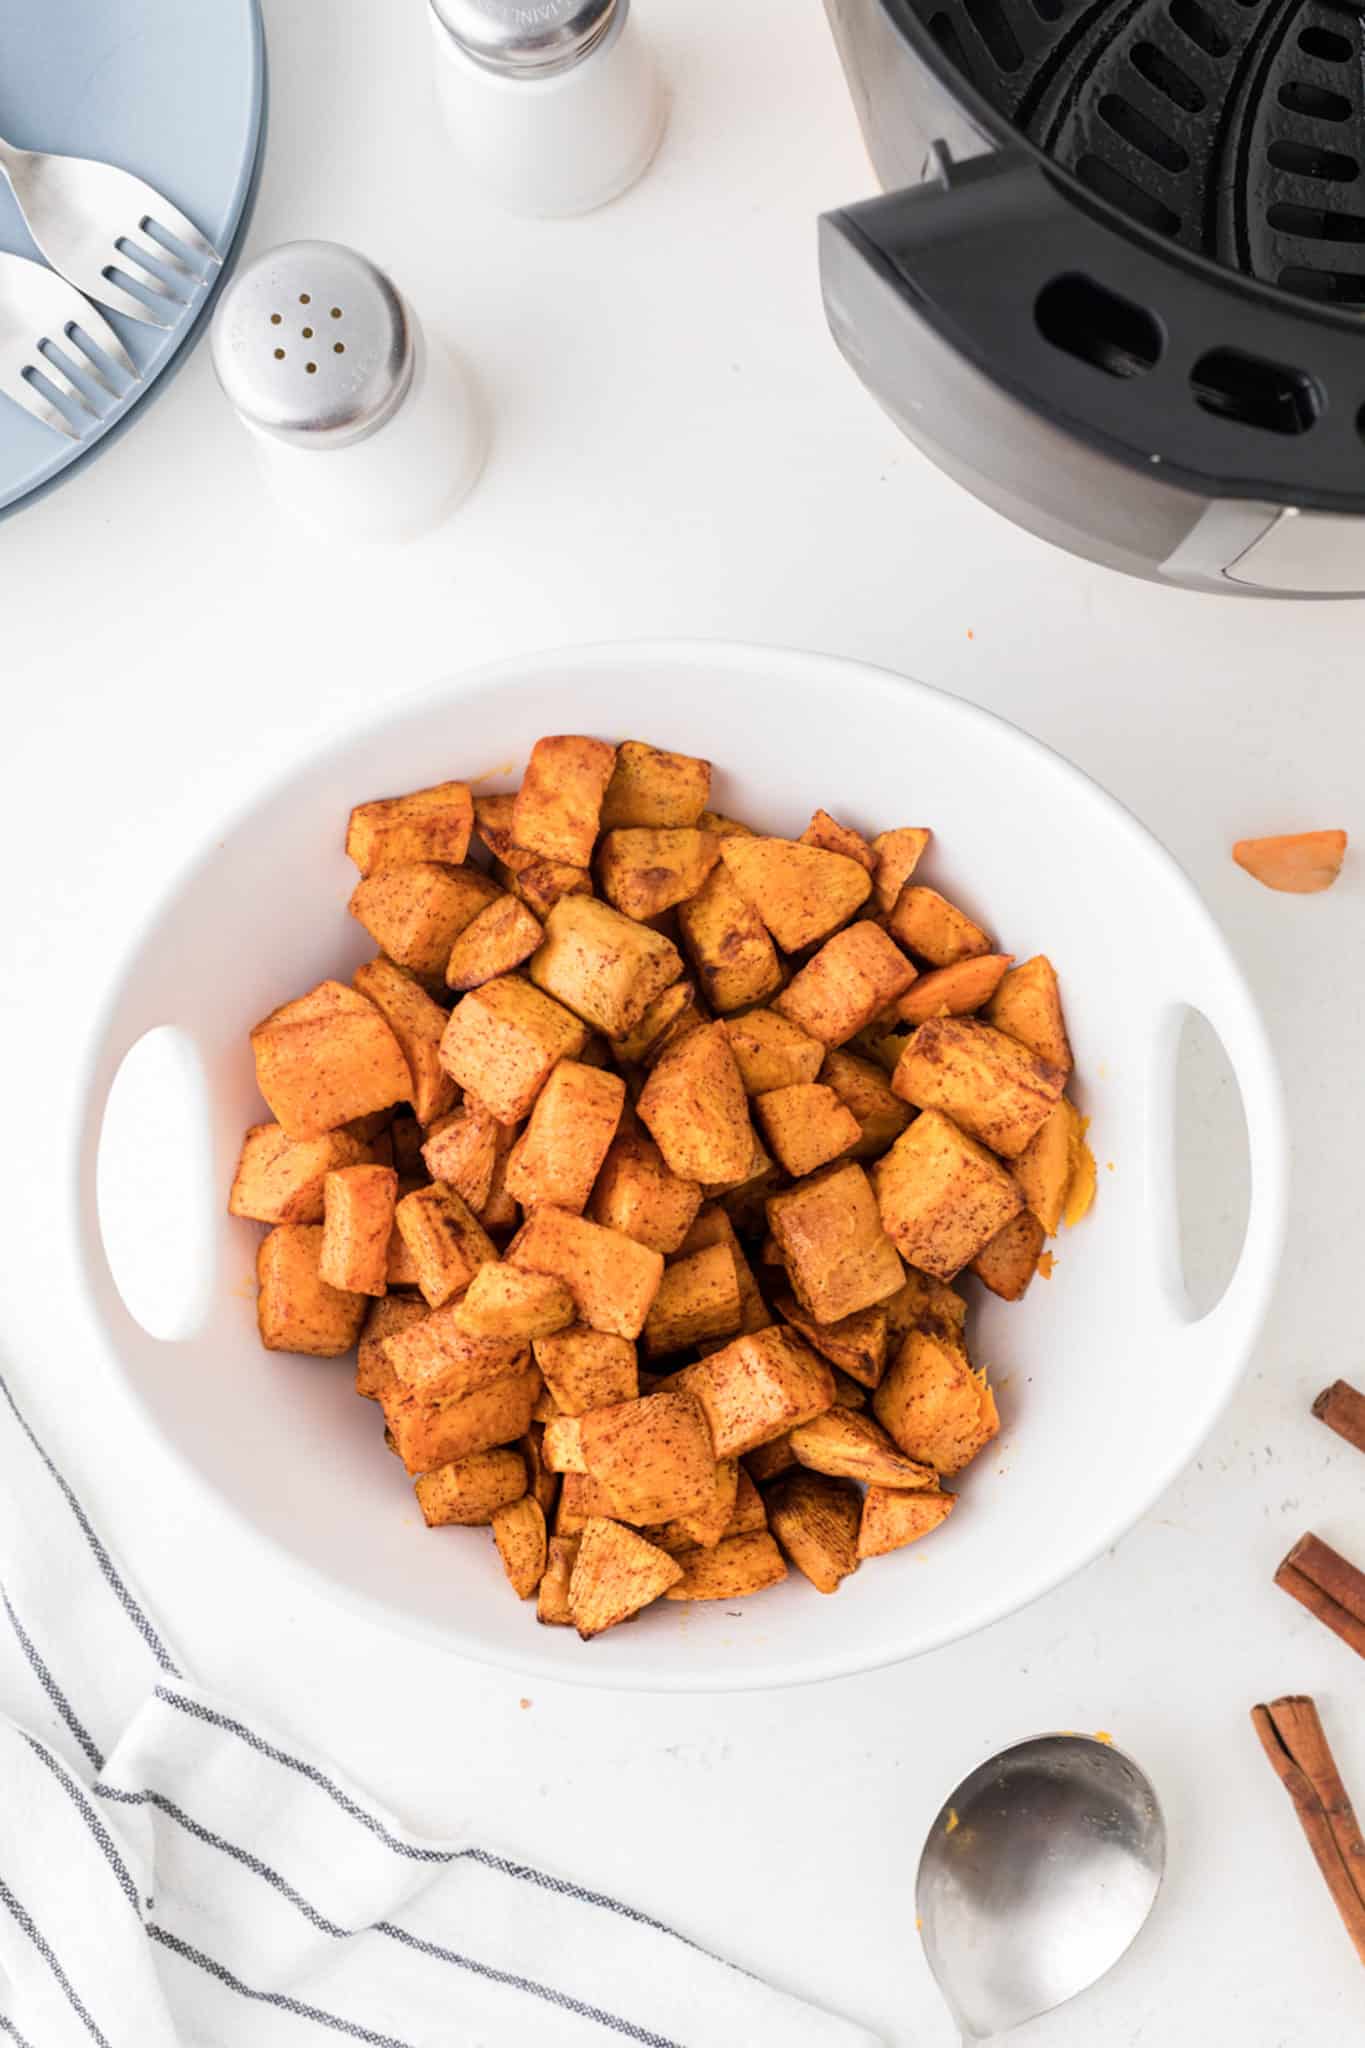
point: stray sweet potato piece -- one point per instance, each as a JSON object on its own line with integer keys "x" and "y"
{"x": 519, "y": 1533}
{"x": 495, "y": 942}
{"x": 417, "y": 1022}
{"x": 863, "y": 1088}
{"x": 846, "y": 1444}
{"x": 1010, "y": 1260}
{"x": 636, "y": 1194}
{"x": 468, "y": 1494}
{"x": 427, "y": 824}
{"x": 940, "y": 1412}
{"x": 429, "y": 1434}
{"x": 651, "y": 787}
{"x": 942, "y": 1196}
{"x": 896, "y": 854}
{"x": 815, "y": 1519}
{"x": 447, "y": 1241}
{"x": 953, "y": 991}
{"x": 1043, "y": 1168}
{"x": 504, "y": 1039}
{"x": 928, "y": 924}
{"x": 552, "y": 1600}
{"x": 612, "y": 1279}
{"x": 616, "y": 1574}
{"x": 295, "y": 1307}
{"x": 757, "y": 1388}
{"x": 696, "y": 1111}
{"x": 892, "y": 1519}
{"x": 747, "y": 1562}
{"x": 771, "y": 1052}
{"x": 416, "y": 912}
{"x": 561, "y": 1445}
{"x": 1080, "y": 1186}
{"x": 806, "y": 1125}
{"x": 852, "y": 979}
{"x": 1027, "y": 1006}
{"x": 749, "y": 1512}
{"x": 325, "y": 1058}
{"x": 280, "y": 1179}
{"x": 728, "y": 944}
{"x": 653, "y": 1455}
{"x": 698, "y": 1298}
{"x": 357, "y": 1223}
{"x": 587, "y": 1369}
{"x": 557, "y": 809}
{"x": 1299, "y": 863}
{"x": 838, "y": 1255}
{"x": 388, "y": 1315}
{"x": 992, "y": 1087}
{"x": 801, "y": 892}
{"x": 644, "y": 872}
{"x": 432, "y": 1358}
{"x": 836, "y": 838}
{"x": 604, "y": 967}
{"x": 856, "y": 1344}
{"x": 560, "y": 1153}
{"x": 505, "y": 1301}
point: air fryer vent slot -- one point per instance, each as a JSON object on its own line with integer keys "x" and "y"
{"x": 1199, "y": 25}
{"x": 1097, "y": 326}
{"x": 1325, "y": 44}
{"x": 1314, "y": 101}
{"x": 1255, "y": 393}
{"x": 1304, "y": 161}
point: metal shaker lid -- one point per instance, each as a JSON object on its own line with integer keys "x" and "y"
{"x": 312, "y": 343}
{"x": 527, "y": 37}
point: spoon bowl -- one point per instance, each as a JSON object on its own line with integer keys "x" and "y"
{"x": 1035, "y": 1877}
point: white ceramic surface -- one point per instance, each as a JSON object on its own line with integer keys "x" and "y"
{"x": 1106, "y": 1384}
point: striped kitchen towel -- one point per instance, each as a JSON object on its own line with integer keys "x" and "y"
{"x": 175, "y": 1875}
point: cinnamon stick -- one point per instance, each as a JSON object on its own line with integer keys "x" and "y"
{"x": 1329, "y": 1586}
{"x": 1296, "y": 1744}
{"x": 1342, "y": 1408}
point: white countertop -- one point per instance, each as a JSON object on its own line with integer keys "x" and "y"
{"x": 680, "y": 450}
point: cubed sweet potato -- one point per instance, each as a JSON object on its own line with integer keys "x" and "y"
{"x": 991, "y": 1086}
{"x": 713, "y": 1226}
{"x": 696, "y": 1111}
{"x": 923, "y": 1304}
{"x": 802, "y": 893}
{"x": 552, "y": 1598}
{"x": 769, "y": 1461}
{"x": 806, "y": 1125}
{"x": 707, "y": 1525}
{"x": 447, "y": 1241}
{"x": 852, "y": 979}
{"x": 847, "y": 1392}
{"x": 953, "y": 991}
{"x": 558, "y": 807}
{"x": 771, "y": 1052}
{"x": 357, "y": 1223}
{"x": 560, "y": 1153}
{"x": 604, "y": 967}
{"x": 588, "y": 1369}
{"x": 504, "y": 1040}
{"x": 942, "y": 1196}
{"x": 644, "y": 871}
{"x": 325, "y": 1058}
{"x": 417, "y": 1022}
{"x": 519, "y": 1533}
{"x": 938, "y": 1409}
{"x": 295, "y": 1307}
{"x": 728, "y": 944}
{"x": 1043, "y": 1168}
{"x": 652, "y": 787}
{"x": 698, "y": 1298}
{"x": 838, "y": 1255}
{"x": 749, "y": 1512}
{"x": 612, "y": 1278}
{"x": 1027, "y": 1005}
{"x": 896, "y": 855}
{"x": 934, "y": 929}
{"x": 856, "y": 1344}
{"x": 468, "y": 1494}
{"x": 846, "y": 1444}
{"x": 653, "y": 1455}
{"x": 499, "y": 939}
{"x": 892, "y": 1519}
{"x": 539, "y": 884}
{"x": 506, "y": 1301}
{"x": 636, "y": 1194}
{"x": 815, "y": 1520}
{"x": 758, "y": 1388}
{"x": 580, "y": 1499}
{"x": 616, "y": 1574}
{"x": 836, "y": 838}
{"x": 671, "y": 1015}
{"x": 862, "y": 1087}
{"x": 745, "y": 1563}
{"x": 427, "y": 824}
{"x": 280, "y": 1179}
{"x": 428, "y": 1434}
{"x": 416, "y": 912}
{"x": 1008, "y": 1263}
{"x": 541, "y": 1483}
{"x": 387, "y": 1316}
{"x": 434, "y": 1359}
{"x": 561, "y": 1445}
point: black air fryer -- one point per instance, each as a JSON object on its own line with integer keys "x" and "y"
{"x": 1116, "y": 286}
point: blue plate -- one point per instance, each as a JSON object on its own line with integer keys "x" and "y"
{"x": 171, "y": 89}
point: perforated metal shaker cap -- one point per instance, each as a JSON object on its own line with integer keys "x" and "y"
{"x": 528, "y": 37}
{"x": 312, "y": 343}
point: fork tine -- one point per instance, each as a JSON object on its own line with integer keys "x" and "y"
{"x": 149, "y": 252}
{"x": 93, "y": 329}
{"x": 61, "y": 381}
{"x": 172, "y": 222}
{"x": 140, "y": 272}
{"x": 78, "y": 363}
{"x": 113, "y": 294}
{"x": 31, "y": 398}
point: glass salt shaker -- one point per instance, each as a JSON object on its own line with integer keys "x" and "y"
{"x": 555, "y": 105}
{"x": 363, "y": 424}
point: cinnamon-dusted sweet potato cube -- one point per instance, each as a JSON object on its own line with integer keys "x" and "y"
{"x": 1008, "y": 1263}
{"x": 923, "y": 1304}
{"x": 836, "y": 838}
{"x": 929, "y": 925}
{"x": 505, "y": 1301}
{"x": 325, "y": 1058}
{"x": 280, "y": 1179}
{"x": 892, "y": 1519}
{"x": 991, "y": 1086}
{"x": 427, "y": 824}
{"x": 696, "y": 1111}
{"x": 749, "y": 1512}
{"x": 580, "y": 1499}
{"x": 561, "y": 1445}
{"x": 1028, "y": 1006}
{"x": 669, "y": 1016}
{"x": 852, "y": 979}
{"x": 862, "y": 1087}
{"x": 651, "y": 787}
{"x": 357, "y": 1224}
{"x": 520, "y": 1536}
{"x": 417, "y": 1023}
{"x": 499, "y": 939}
{"x": 636, "y": 1194}
{"x": 295, "y": 1307}
{"x": 552, "y": 1598}
{"x": 406, "y": 1137}
{"x": 745, "y": 1196}
{"x": 896, "y": 855}
{"x": 415, "y": 913}
{"x": 387, "y": 1316}
{"x": 771, "y": 1052}
{"x": 587, "y": 1369}
{"x": 646, "y": 871}
{"x": 429, "y": 1434}
{"x": 653, "y": 1455}
{"x": 847, "y": 1392}
{"x": 703, "y": 1529}
{"x": 938, "y": 1409}
{"x": 748, "y": 1562}
{"x": 434, "y": 1359}
{"x": 815, "y": 1519}
{"x": 604, "y": 967}
{"x": 539, "y": 884}
{"x": 802, "y": 893}
{"x": 942, "y": 1196}
{"x": 757, "y": 1388}
{"x": 836, "y": 1251}
{"x": 447, "y": 1241}
{"x": 402, "y": 1265}
{"x": 560, "y": 1153}
{"x": 493, "y": 822}
{"x": 856, "y": 1344}
{"x": 616, "y": 1574}
{"x": 953, "y": 991}
{"x": 612, "y": 1278}
{"x": 713, "y": 1226}
{"x": 468, "y": 1494}
{"x": 728, "y": 944}
{"x": 806, "y": 1125}
{"x": 846, "y": 1444}
{"x": 558, "y": 807}
{"x": 1043, "y": 1168}
{"x": 503, "y": 1041}
{"x": 769, "y": 1461}
{"x": 698, "y": 1297}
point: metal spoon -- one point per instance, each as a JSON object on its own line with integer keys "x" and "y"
{"x": 1035, "y": 1877}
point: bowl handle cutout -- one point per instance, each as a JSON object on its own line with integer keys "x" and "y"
{"x": 155, "y": 1188}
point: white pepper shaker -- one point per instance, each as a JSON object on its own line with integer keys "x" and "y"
{"x": 555, "y": 105}
{"x": 363, "y": 425}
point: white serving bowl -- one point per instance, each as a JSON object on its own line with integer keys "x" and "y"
{"x": 1107, "y": 1382}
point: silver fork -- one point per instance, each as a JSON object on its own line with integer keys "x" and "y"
{"x": 49, "y": 331}
{"x": 91, "y": 221}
